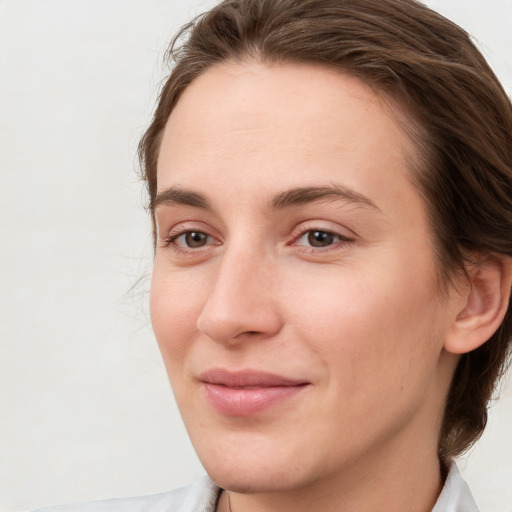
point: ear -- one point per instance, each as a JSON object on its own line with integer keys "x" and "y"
{"x": 483, "y": 303}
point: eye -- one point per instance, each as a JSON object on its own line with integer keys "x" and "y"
{"x": 193, "y": 239}
{"x": 319, "y": 238}
{"x": 188, "y": 239}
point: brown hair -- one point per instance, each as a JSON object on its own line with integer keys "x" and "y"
{"x": 431, "y": 68}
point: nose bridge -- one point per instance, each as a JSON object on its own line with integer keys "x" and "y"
{"x": 241, "y": 299}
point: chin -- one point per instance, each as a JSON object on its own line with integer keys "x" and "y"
{"x": 248, "y": 480}
{"x": 244, "y": 471}
{"x": 259, "y": 466}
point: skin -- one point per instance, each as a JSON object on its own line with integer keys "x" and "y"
{"x": 359, "y": 317}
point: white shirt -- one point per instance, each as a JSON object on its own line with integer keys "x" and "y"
{"x": 456, "y": 495}
{"x": 202, "y": 496}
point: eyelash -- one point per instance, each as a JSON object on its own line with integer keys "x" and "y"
{"x": 341, "y": 240}
{"x": 171, "y": 240}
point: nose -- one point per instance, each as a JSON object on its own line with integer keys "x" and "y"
{"x": 242, "y": 304}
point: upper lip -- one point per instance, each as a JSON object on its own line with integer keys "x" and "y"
{"x": 247, "y": 378}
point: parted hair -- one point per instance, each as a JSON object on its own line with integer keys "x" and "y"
{"x": 460, "y": 120}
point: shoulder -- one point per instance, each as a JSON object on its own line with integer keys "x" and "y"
{"x": 201, "y": 496}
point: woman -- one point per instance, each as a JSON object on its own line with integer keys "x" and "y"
{"x": 329, "y": 184}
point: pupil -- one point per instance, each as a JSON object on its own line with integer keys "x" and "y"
{"x": 195, "y": 239}
{"x": 320, "y": 238}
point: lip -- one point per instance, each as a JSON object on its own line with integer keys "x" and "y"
{"x": 248, "y": 392}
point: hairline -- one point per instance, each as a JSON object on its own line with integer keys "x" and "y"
{"x": 418, "y": 155}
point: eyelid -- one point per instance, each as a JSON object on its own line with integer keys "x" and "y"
{"x": 322, "y": 225}
{"x": 344, "y": 235}
{"x": 173, "y": 238}
{"x": 325, "y": 227}
{"x": 184, "y": 227}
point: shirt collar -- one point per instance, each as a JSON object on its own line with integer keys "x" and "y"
{"x": 456, "y": 495}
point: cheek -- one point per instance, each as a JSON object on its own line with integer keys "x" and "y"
{"x": 363, "y": 323}
{"x": 374, "y": 339}
{"x": 174, "y": 307}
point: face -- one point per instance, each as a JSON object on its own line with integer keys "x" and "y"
{"x": 294, "y": 294}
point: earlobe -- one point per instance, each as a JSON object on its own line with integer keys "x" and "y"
{"x": 484, "y": 303}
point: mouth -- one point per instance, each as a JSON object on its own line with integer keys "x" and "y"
{"x": 245, "y": 393}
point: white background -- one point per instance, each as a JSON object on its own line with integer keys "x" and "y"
{"x": 86, "y": 411}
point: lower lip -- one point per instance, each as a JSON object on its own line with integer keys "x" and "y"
{"x": 246, "y": 402}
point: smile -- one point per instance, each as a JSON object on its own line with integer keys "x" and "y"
{"x": 248, "y": 392}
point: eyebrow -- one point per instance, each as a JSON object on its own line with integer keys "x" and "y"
{"x": 305, "y": 195}
{"x": 176, "y": 195}
{"x": 286, "y": 199}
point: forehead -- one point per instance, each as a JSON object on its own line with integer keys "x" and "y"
{"x": 288, "y": 108}
{"x": 253, "y": 122}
